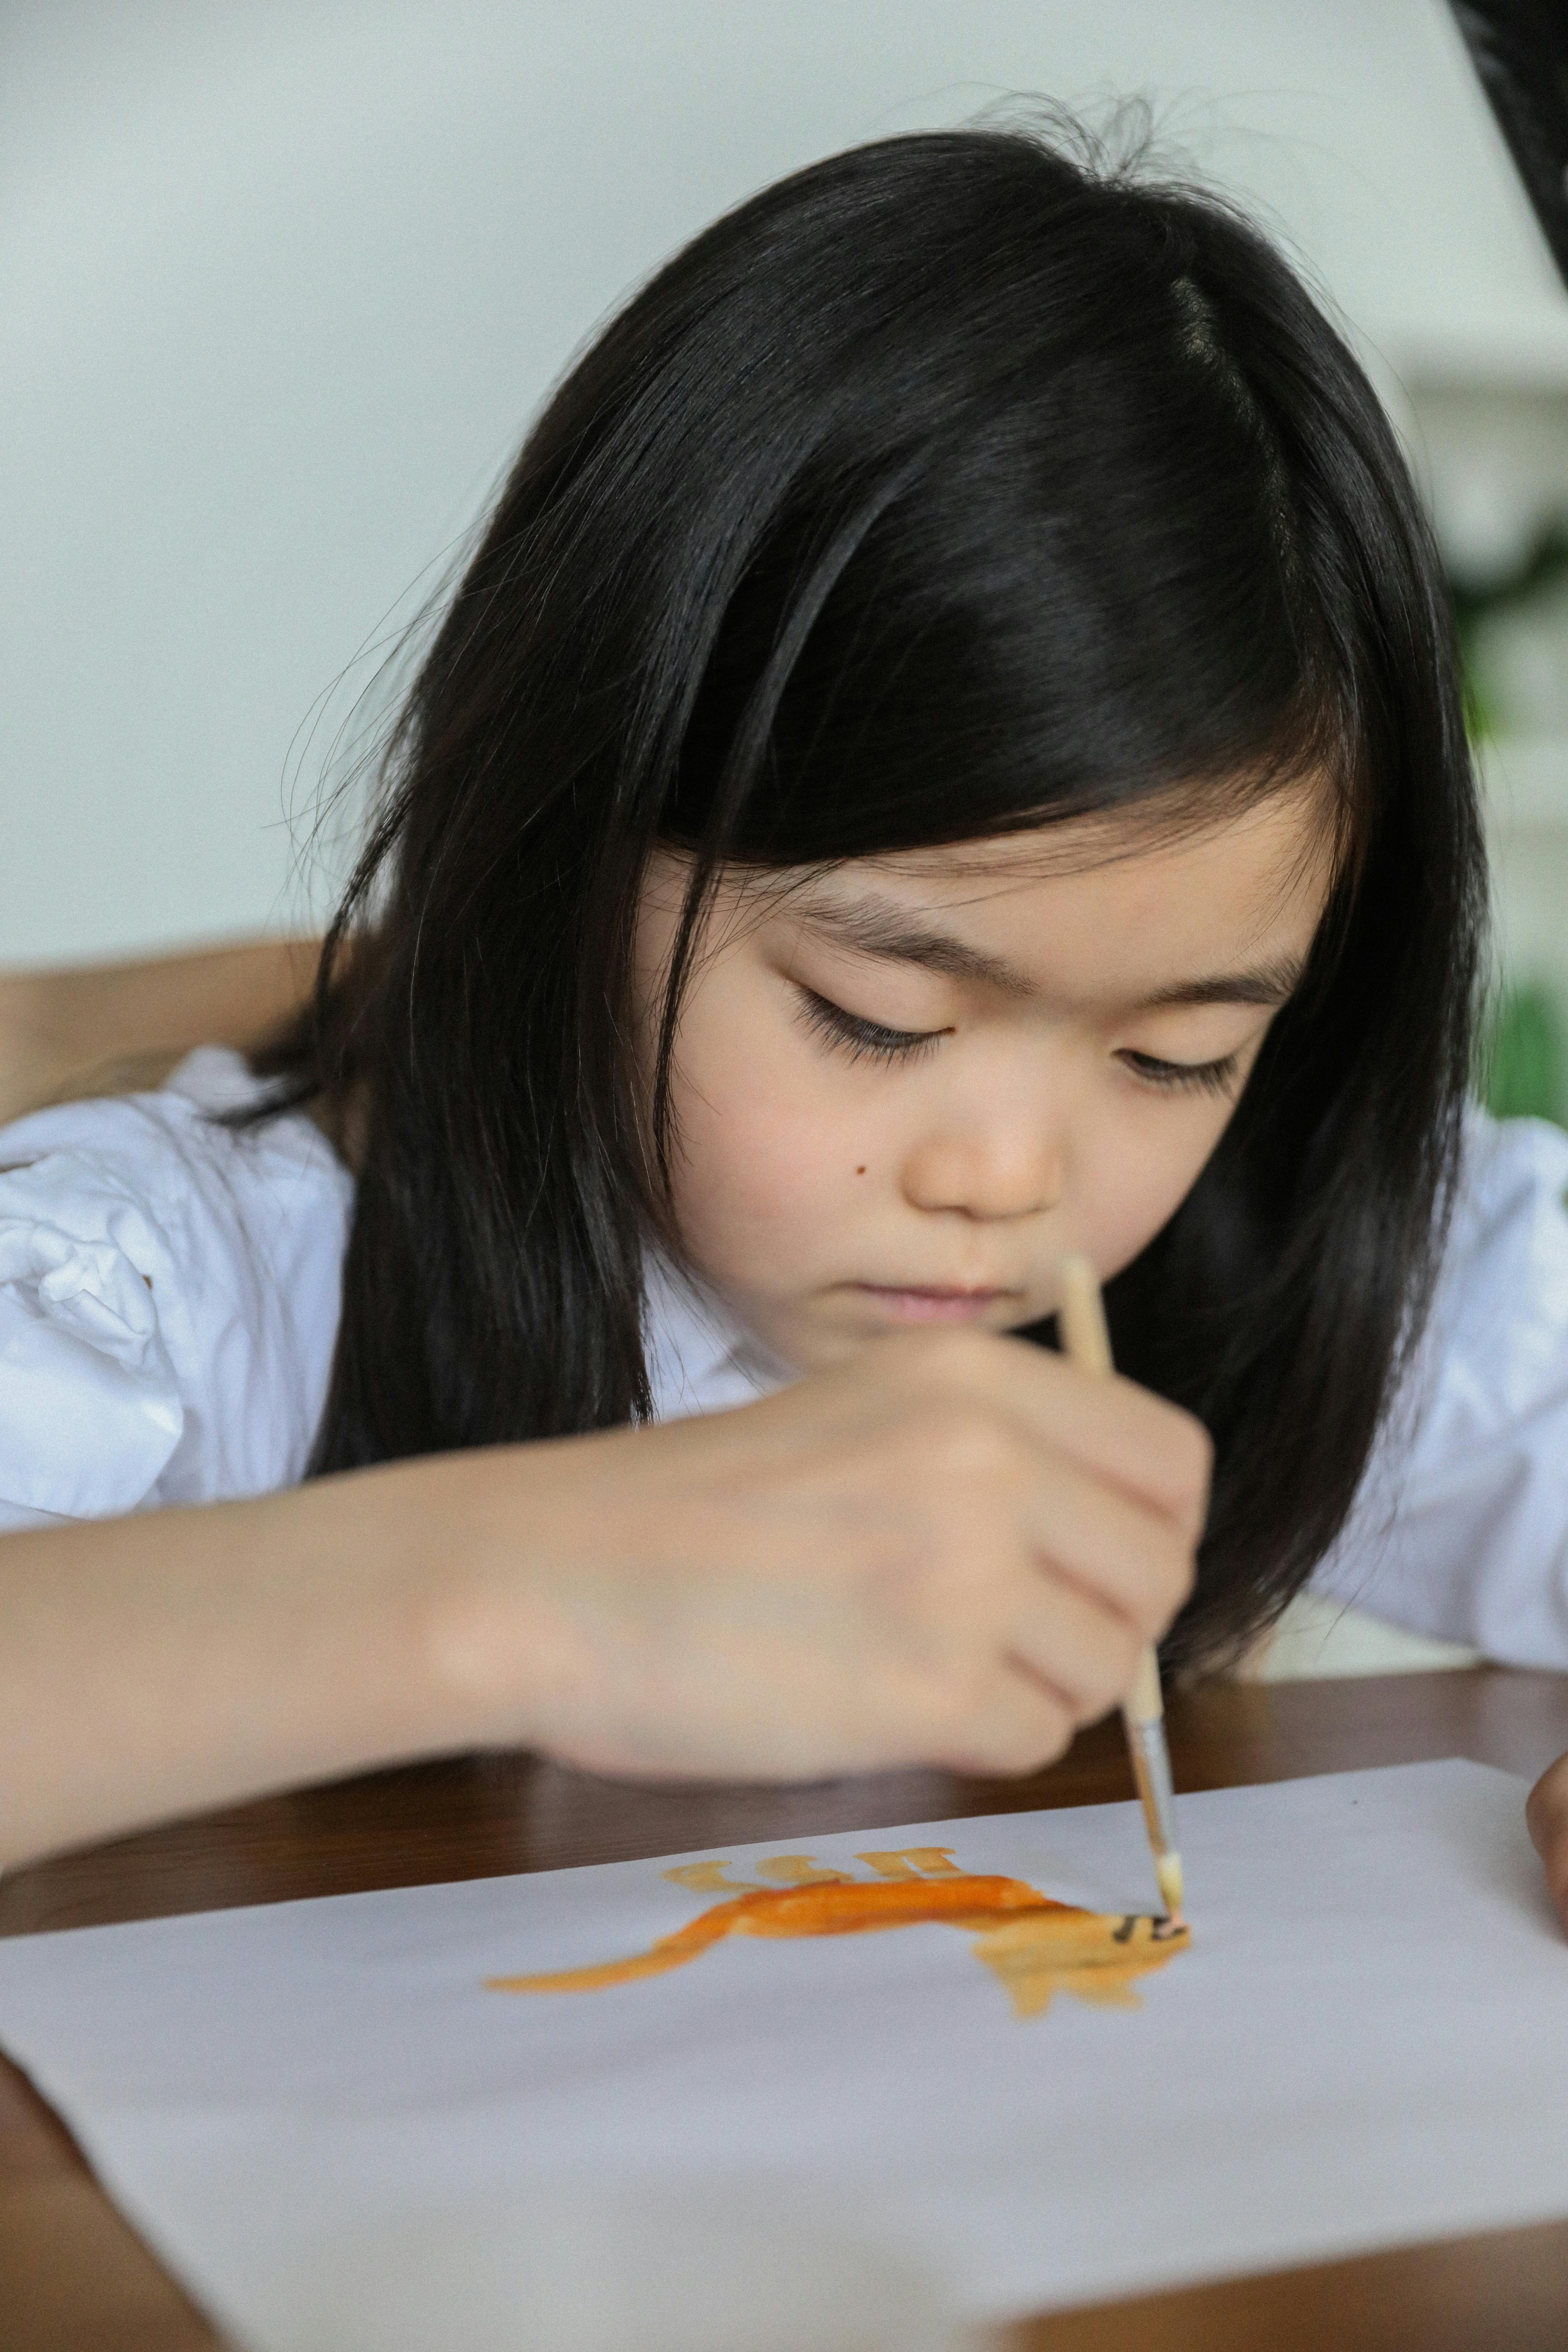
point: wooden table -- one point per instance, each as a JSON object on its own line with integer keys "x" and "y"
{"x": 73, "y": 2278}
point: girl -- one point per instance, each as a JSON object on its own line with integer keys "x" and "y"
{"x": 947, "y": 753}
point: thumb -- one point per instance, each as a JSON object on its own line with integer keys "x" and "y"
{"x": 1546, "y": 1812}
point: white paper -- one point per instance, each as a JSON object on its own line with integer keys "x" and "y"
{"x": 1366, "y": 2044}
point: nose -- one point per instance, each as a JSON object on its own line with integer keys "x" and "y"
{"x": 1002, "y": 1169}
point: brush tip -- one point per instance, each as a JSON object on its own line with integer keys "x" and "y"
{"x": 1168, "y": 1870}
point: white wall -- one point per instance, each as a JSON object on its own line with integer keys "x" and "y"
{"x": 279, "y": 284}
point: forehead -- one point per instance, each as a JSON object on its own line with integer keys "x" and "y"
{"x": 1116, "y": 907}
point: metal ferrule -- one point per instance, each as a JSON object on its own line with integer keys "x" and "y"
{"x": 1151, "y": 1771}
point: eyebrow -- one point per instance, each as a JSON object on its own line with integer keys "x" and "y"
{"x": 877, "y": 927}
{"x": 1264, "y": 984}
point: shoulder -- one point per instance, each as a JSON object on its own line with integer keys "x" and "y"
{"x": 1461, "y": 1526}
{"x": 1500, "y": 1315}
{"x": 169, "y": 1297}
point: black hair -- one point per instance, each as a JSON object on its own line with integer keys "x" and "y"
{"x": 957, "y": 485}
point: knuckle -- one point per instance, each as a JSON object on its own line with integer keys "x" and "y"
{"x": 955, "y": 1358}
{"x": 1007, "y": 1730}
{"x": 1182, "y": 1573}
{"x": 1123, "y": 1649}
{"x": 1194, "y": 1459}
{"x": 1100, "y": 1686}
{"x": 1173, "y": 1564}
{"x": 1179, "y": 1454}
{"x": 970, "y": 1698}
{"x": 962, "y": 1443}
{"x": 1027, "y": 1746}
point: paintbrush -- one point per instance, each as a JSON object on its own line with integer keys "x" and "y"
{"x": 1080, "y": 1319}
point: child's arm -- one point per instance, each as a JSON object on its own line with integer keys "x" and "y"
{"x": 949, "y": 1553}
{"x": 99, "y": 1028}
{"x": 1547, "y": 1813}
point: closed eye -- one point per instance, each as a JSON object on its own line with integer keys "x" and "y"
{"x": 863, "y": 1040}
{"x": 1184, "y": 1077}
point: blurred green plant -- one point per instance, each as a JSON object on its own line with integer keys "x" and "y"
{"x": 1543, "y": 573}
{"x": 1523, "y": 1068}
{"x": 1523, "y": 1059}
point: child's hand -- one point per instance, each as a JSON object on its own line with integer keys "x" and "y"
{"x": 950, "y": 1551}
{"x": 1547, "y": 1813}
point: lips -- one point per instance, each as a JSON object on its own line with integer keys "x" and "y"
{"x": 930, "y": 1303}
{"x": 981, "y": 1290}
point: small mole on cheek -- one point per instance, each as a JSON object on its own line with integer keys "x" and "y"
{"x": 859, "y": 1172}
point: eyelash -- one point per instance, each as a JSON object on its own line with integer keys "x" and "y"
{"x": 1184, "y": 1077}
{"x": 871, "y": 1041}
{"x": 864, "y": 1041}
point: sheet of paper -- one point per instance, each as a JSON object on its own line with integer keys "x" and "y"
{"x": 1365, "y": 2042}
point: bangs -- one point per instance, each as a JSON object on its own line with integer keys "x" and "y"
{"x": 1089, "y": 592}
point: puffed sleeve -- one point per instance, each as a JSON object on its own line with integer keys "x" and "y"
{"x": 89, "y": 1402}
{"x": 1461, "y": 1526}
{"x": 170, "y": 1285}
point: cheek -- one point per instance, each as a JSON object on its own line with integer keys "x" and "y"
{"x": 768, "y": 1150}
{"x": 1139, "y": 1178}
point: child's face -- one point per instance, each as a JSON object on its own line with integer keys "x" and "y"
{"x": 905, "y": 1085}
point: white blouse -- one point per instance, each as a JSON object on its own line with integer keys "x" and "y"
{"x": 170, "y": 1292}
{"x": 1461, "y": 1530}
{"x": 169, "y": 1299}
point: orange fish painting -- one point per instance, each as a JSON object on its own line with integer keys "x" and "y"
{"x": 1036, "y": 1946}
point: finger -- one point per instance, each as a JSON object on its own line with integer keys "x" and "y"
{"x": 1546, "y": 1812}
{"x": 1084, "y": 1653}
{"x": 1158, "y": 1454}
{"x": 1117, "y": 1551}
{"x": 1021, "y": 1726}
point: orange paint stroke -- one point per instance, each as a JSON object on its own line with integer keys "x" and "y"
{"x": 1036, "y": 1946}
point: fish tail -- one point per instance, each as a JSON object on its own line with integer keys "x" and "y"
{"x": 669, "y": 1952}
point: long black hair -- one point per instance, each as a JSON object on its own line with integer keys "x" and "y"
{"x": 960, "y": 484}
